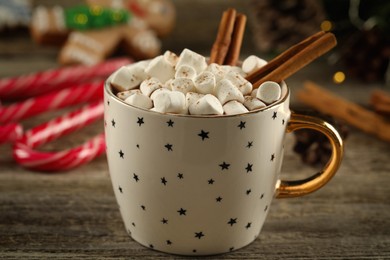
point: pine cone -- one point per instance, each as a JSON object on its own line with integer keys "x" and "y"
{"x": 367, "y": 55}
{"x": 314, "y": 147}
{"x": 278, "y": 25}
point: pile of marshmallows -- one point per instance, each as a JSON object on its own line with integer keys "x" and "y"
{"x": 186, "y": 84}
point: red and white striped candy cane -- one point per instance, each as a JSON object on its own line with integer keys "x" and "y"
{"x": 24, "y": 148}
{"x": 10, "y": 132}
{"x": 76, "y": 94}
{"x": 16, "y": 88}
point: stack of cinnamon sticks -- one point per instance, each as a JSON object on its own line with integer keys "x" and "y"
{"x": 353, "y": 114}
{"x": 227, "y": 46}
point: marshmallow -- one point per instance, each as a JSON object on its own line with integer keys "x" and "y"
{"x": 240, "y": 82}
{"x": 252, "y": 63}
{"x": 192, "y": 97}
{"x": 139, "y": 100}
{"x": 127, "y": 93}
{"x": 269, "y": 92}
{"x": 206, "y": 105}
{"x": 234, "y": 107}
{"x": 217, "y": 70}
{"x": 183, "y": 85}
{"x": 205, "y": 82}
{"x": 155, "y": 93}
{"x": 127, "y": 77}
{"x": 160, "y": 68}
{"x": 185, "y": 71}
{"x": 149, "y": 85}
{"x": 171, "y": 57}
{"x": 252, "y": 103}
{"x": 254, "y": 92}
{"x": 226, "y": 91}
{"x": 193, "y": 59}
{"x": 167, "y": 84}
{"x": 169, "y": 102}
{"x": 233, "y": 69}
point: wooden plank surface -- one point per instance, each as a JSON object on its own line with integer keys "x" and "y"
{"x": 74, "y": 214}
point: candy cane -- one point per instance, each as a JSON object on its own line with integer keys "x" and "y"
{"x": 10, "y": 132}
{"x": 37, "y": 83}
{"x": 67, "y": 97}
{"x": 24, "y": 152}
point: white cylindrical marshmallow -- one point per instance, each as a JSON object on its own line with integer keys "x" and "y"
{"x": 127, "y": 93}
{"x": 149, "y": 85}
{"x": 185, "y": 71}
{"x": 205, "y": 82}
{"x": 269, "y": 92}
{"x": 170, "y": 102}
{"x": 193, "y": 59}
{"x": 252, "y": 103}
{"x": 127, "y": 77}
{"x": 226, "y": 91}
{"x": 183, "y": 85}
{"x": 192, "y": 97}
{"x": 252, "y": 63}
{"x": 171, "y": 57}
{"x": 217, "y": 70}
{"x": 160, "y": 68}
{"x": 206, "y": 105}
{"x": 155, "y": 93}
{"x": 139, "y": 100}
{"x": 240, "y": 82}
{"x": 234, "y": 107}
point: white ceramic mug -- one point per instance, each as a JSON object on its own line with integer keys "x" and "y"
{"x": 201, "y": 185}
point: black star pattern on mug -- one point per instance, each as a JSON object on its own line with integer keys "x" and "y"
{"x": 199, "y": 235}
{"x": 121, "y": 154}
{"x": 248, "y": 225}
{"x": 232, "y": 221}
{"x": 266, "y": 207}
{"x": 135, "y": 177}
{"x": 241, "y": 125}
{"x": 182, "y": 211}
{"x": 164, "y": 221}
{"x": 224, "y": 166}
{"x": 218, "y": 199}
{"x": 170, "y": 123}
{"x": 164, "y": 181}
{"x": 120, "y": 189}
{"x": 283, "y": 121}
{"x": 249, "y": 167}
{"x": 169, "y": 242}
{"x": 137, "y": 145}
{"x": 275, "y": 115}
{"x": 108, "y": 102}
{"x": 204, "y": 135}
{"x": 272, "y": 157}
{"x": 140, "y": 121}
{"x": 250, "y": 144}
{"x": 113, "y": 123}
{"x": 231, "y": 249}
{"x": 169, "y": 147}
{"x": 262, "y": 196}
{"x": 143, "y": 207}
{"x": 194, "y": 251}
{"x": 211, "y": 181}
{"x": 180, "y": 175}
{"x": 151, "y": 246}
{"x": 133, "y": 224}
{"x": 248, "y": 191}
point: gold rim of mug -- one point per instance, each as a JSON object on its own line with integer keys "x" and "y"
{"x": 108, "y": 89}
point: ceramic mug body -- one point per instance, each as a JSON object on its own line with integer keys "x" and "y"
{"x": 190, "y": 184}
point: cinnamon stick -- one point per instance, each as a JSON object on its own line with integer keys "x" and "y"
{"x": 224, "y": 36}
{"x": 355, "y": 115}
{"x": 380, "y": 101}
{"x": 293, "y": 59}
{"x": 236, "y": 41}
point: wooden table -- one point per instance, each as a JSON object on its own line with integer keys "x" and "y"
{"x": 75, "y": 214}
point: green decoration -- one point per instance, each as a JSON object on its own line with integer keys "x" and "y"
{"x": 94, "y": 17}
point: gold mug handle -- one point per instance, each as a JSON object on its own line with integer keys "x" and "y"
{"x": 289, "y": 189}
